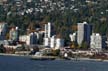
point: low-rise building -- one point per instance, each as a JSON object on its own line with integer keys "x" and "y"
{"x": 53, "y": 42}
{"x": 73, "y": 37}
{"x": 59, "y": 43}
{"x": 46, "y": 42}
{"x": 23, "y": 38}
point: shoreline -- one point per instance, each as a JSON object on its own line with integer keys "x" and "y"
{"x": 73, "y": 59}
{"x": 88, "y": 59}
{"x": 5, "y": 54}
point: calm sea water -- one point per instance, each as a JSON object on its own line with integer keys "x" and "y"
{"x": 9, "y": 63}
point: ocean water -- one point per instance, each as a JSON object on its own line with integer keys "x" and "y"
{"x": 10, "y": 63}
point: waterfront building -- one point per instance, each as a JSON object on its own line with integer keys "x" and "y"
{"x": 48, "y": 30}
{"x": 14, "y": 34}
{"x": 23, "y": 38}
{"x": 40, "y": 36}
{"x": 59, "y": 43}
{"x": 47, "y": 34}
{"x": 80, "y": 33}
{"x": 87, "y": 32}
{"x": 73, "y": 37}
{"x": 3, "y": 30}
{"x": 84, "y": 32}
{"x": 31, "y": 39}
{"x": 46, "y": 42}
{"x": 52, "y": 42}
{"x": 104, "y": 44}
{"x": 96, "y": 41}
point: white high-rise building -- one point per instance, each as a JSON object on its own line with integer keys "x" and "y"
{"x": 84, "y": 32}
{"x": 47, "y": 34}
{"x": 48, "y": 30}
{"x": 80, "y": 33}
{"x": 52, "y": 41}
{"x": 96, "y": 41}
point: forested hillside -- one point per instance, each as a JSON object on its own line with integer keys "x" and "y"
{"x": 64, "y": 14}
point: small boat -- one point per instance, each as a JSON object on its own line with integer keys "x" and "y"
{"x": 43, "y": 58}
{"x": 39, "y": 56}
{"x": 66, "y": 57}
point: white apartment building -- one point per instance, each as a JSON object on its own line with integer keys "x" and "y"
{"x": 80, "y": 33}
{"x": 96, "y": 41}
{"x": 47, "y": 36}
{"x": 52, "y": 41}
{"x": 48, "y": 30}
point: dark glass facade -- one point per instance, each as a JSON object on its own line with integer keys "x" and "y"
{"x": 87, "y": 33}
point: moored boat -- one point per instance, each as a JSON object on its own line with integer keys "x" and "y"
{"x": 39, "y": 56}
{"x": 43, "y": 58}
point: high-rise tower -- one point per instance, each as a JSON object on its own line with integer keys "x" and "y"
{"x": 84, "y": 32}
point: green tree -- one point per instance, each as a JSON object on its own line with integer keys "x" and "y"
{"x": 84, "y": 45}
